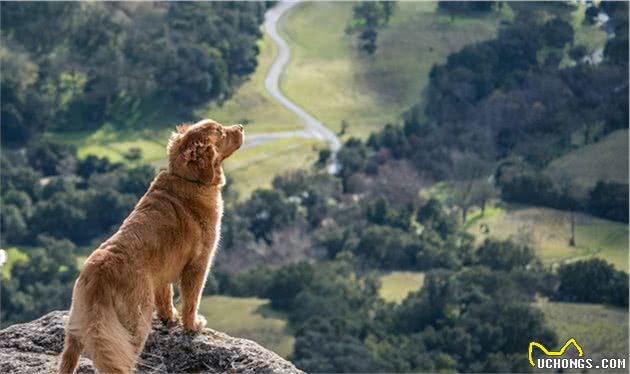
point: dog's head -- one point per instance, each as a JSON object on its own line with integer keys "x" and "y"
{"x": 195, "y": 152}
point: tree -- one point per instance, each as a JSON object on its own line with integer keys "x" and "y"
{"x": 368, "y": 17}
{"x": 37, "y": 286}
{"x": 470, "y": 173}
{"x": 557, "y": 33}
{"x": 609, "y": 200}
{"x": 268, "y": 210}
{"x": 287, "y": 283}
{"x": 605, "y": 284}
{"x": 13, "y": 224}
{"x": 504, "y": 255}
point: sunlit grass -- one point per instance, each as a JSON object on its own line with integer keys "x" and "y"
{"x": 395, "y": 286}
{"x": 252, "y": 105}
{"x": 248, "y": 318}
{"x": 256, "y": 167}
{"x": 333, "y": 82}
{"x": 548, "y": 232}
{"x": 601, "y": 331}
{"x": 605, "y": 160}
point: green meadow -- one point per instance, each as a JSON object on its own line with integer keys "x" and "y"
{"x": 549, "y": 230}
{"x": 601, "y": 331}
{"x": 249, "y": 318}
{"x": 332, "y": 81}
{"x": 395, "y": 286}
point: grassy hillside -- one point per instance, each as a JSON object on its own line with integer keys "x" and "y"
{"x": 396, "y": 285}
{"x": 252, "y": 105}
{"x": 248, "y": 318}
{"x": 256, "y": 167}
{"x": 606, "y": 160}
{"x": 601, "y": 331}
{"x": 333, "y": 82}
{"x": 548, "y": 231}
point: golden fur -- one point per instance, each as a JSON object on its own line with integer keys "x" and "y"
{"x": 170, "y": 236}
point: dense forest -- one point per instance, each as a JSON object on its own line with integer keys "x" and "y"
{"x": 494, "y": 115}
{"x": 76, "y": 65}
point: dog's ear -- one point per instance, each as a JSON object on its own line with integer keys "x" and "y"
{"x": 201, "y": 157}
{"x": 197, "y": 149}
{"x": 176, "y": 137}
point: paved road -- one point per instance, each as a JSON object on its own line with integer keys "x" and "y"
{"x": 312, "y": 127}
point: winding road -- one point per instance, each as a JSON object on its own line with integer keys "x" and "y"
{"x": 272, "y": 81}
{"x": 313, "y": 128}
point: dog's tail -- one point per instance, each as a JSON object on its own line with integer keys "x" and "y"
{"x": 71, "y": 351}
{"x": 107, "y": 341}
{"x": 94, "y": 326}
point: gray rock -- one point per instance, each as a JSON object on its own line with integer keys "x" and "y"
{"x": 34, "y": 347}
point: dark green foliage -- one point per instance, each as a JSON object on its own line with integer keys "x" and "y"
{"x": 432, "y": 215}
{"x": 471, "y": 319}
{"x": 287, "y": 283}
{"x": 65, "y": 205}
{"x": 557, "y": 33}
{"x": 521, "y": 184}
{"x": 466, "y": 7}
{"x": 368, "y": 17}
{"x": 504, "y": 255}
{"x": 41, "y": 284}
{"x": 506, "y": 98}
{"x": 616, "y": 50}
{"x": 105, "y": 60}
{"x": 266, "y": 211}
{"x": 592, "y": 281}
{"x": 352, "y": 157}
{"x": 609, "y": 200}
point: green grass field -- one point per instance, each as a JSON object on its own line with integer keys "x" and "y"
{"x": 395, "y": 286}
{"x": 252, "y": 105}
{"x": 600, "y": 330}
{"x": 606, "y": 160}
{"x": 548, "y": 231}
{"x": 333, "y": 82}
{"x": 249, "y": 318}
{"x": 256, "y": 167}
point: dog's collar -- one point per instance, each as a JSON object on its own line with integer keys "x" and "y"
{"x": 200, "y": 183}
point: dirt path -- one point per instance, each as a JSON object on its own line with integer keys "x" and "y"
{"x": 312, "y": 127}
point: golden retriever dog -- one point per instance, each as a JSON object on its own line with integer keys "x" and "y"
{"x": 170, "y": 236}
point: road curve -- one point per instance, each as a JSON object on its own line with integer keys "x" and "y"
{"x": 313, "y": 127}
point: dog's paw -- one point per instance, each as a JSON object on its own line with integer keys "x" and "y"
{"x": 171, "y": 320}
{"x": 199, "y": 324}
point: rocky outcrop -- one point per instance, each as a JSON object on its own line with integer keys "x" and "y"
{"x": 34, "y": 347}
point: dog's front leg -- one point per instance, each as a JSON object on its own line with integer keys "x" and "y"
{"x": 164, "y": 305}
{"x": 191, "y": 285}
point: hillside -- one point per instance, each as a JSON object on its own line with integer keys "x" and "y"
{"x": 369, "y": 92}
{"x": 548, "y": 231}
{"x": 591, "y": 163}
{"x": 249, "y": 318}
{"x": 600, "y": 330}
